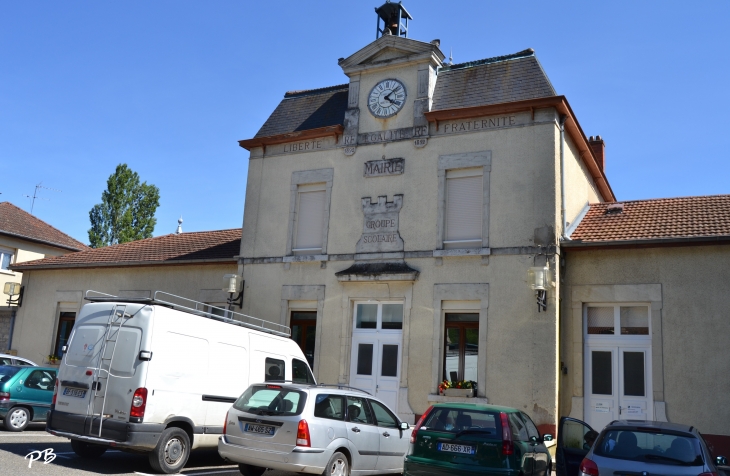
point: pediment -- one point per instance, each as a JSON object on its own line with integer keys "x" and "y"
{"x": 391, "y": 50}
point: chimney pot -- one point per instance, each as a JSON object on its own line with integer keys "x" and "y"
{"x": 599, "y": 151}
{"x": 436, "y": 42}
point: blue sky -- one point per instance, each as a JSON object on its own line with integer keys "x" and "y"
{"x": 169, "y": 87}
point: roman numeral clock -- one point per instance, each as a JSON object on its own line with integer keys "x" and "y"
{"x": 387, "y": 98}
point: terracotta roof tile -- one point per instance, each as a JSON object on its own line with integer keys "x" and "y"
{"x": 662, "y": 218}
{"x": 219, "y": 245}
{"x": 21, "y": 224}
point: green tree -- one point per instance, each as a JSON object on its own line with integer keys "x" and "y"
{"x": 126, "y": 212}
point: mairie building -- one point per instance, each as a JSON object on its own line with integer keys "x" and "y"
{"x": 429, "y": 221}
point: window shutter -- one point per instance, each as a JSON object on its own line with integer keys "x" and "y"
{"x": 464, "y": 208}
{"x": 310, "y": 219}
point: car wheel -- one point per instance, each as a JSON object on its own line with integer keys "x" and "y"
{"x": 17, "y": 419}
{"x": 172, "y": 451}
{"x": 87, "y": 450}
{"x": 250, "y": 470}
{"x": 337, "y": 466}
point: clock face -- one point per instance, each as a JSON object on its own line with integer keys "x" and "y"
{"x": 387, "y": 98}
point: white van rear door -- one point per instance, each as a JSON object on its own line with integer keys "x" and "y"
{"x": 74, "y": 389}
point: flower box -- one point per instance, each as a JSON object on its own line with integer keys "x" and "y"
{"x": 459, "y": 392}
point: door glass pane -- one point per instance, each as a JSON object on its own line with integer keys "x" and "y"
{"x": 275, "y": 370}
{"x": 365, "y": 359}
{"x": 635, "y": 320}
{"x": 358, "y": 411}
{"x": 367, "y": 316}
{"x": 389, "y": 366}
{"x": 634, "y": 374}
{"x": 451, "y": 365}
{"x": 574, "y": 435}
{"x": 392, "y": 316}
{"x": 471, "y": 353}
{"x": 383, "y": 416}
{"x": 309, "y": 345}
{"x": 601, "y": 373}
{"x": 600, "y": 320}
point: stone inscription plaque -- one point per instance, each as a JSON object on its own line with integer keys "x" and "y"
{"x": 380, "y": 226}
{"x": 377, "y": 168}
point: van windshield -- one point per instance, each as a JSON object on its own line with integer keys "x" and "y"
{"x": 271, "y": 400}
{"x": 7, "y": 372}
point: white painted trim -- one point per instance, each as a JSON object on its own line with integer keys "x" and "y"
{"x": 578, "y": 218}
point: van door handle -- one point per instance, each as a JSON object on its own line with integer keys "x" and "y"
{"x": 356, "y": 429}
{"x": 386, "y": 434}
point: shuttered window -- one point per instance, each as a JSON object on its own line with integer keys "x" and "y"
{"x": 310, "y": 219}
{"x": 464, "y": 208}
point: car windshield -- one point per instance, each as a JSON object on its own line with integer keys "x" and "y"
{"x": 460, "y": 420}
{"x": 271, "y": 400}
{"x": 7, "y": 372}
{"x": 650, "y": 446}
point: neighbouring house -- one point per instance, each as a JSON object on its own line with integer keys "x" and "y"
{"x": 428, "y": 221}
{"x": 191, "y": 265}
{"x": 24, "y": 237}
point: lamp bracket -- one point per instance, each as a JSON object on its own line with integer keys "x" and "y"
{"x": 541, "y": 300}
{"x": 18, "y": 300}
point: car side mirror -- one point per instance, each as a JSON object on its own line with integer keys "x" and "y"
{"x": 721, "y": 461}
{"x": 63, "y": 349}
{"x": 404, "y": 425}
{"x": 547, "y": 437}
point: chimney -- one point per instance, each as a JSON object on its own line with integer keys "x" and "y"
{"x": 599, "y": 150}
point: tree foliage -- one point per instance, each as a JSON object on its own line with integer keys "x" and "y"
{"x": 126, "y": 212}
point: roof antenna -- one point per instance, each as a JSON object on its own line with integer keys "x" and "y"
{"x": 35, "y": 195}
{"x": 451, "y": 57}
{"x": 179, "y": 225}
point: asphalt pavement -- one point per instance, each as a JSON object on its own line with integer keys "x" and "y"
{"x": 30, "y": 447}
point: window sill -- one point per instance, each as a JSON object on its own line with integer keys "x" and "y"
{"x": 462, "y": 252}
{"x": 444, "y": 399}
{"x": 7, "y": 271}
{"x": 304, "y": 258}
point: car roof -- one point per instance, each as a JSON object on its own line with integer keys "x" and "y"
{"x": 477, "y": 406}
{"x": 643, "y": 424}
{"x": 334, "y": 389}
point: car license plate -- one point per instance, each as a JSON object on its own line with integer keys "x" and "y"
{"x": 467, "y": 450}
{"x": 262, "y": 429}
{"x": 74, "y": 392}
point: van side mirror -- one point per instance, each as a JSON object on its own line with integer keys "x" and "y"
{"x": 547, "y": 437}
{"x": 404, "y": 425}
{"x": 721, "y": 461}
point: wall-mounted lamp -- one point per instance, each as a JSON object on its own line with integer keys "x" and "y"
{"x": 540, "y": 280}
{"x": 232, "y": 284}
{"x": 14, "y": 289}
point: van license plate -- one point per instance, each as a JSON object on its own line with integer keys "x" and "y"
{"x": 74, "y": 392}
{"x": 263, "y": 429}
{"x": 467, "y": 450}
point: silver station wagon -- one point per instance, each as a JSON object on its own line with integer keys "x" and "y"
{"x": 331, "y": 430}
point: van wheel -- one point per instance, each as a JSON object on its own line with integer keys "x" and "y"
{"x": 250, "y": 470}
{"x": 172, "y": 451}
{"x": 87, "y": 450}
{"x": 17, "y": 419}
{"x": 337, "y": 466}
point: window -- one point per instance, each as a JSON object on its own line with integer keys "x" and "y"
{"x": 531, "y": 428}
{"x": 464, "y": 208}
{"x": 463, "y": 203}
{"x": 6, "y": 258}
{"x": 358, "y": 411}
{"x": 65, "y": 326}
{"x": 627, "y": 320}
{"x": 41, "y": 380}
{"x": 453, "y": 420}
{"x": 275, "y": 370}
{"x": 303, "y": 331}
{"x": 300, "y": 372}
{"x": 309, "y": 206}
{"x": 383, "y": 416}
{"x": 519, "y": 430}
{"x": 271, "y": 400}
{"x": 329, "y": 406}
{"x": 384, "y": 316}
{"x": 309, "y": 226}
{"x": 461, "y": 348}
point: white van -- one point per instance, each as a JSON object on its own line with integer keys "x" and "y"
{"x": 158, "y": 374}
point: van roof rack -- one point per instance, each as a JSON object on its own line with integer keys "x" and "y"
{"x": 162, "y": 298}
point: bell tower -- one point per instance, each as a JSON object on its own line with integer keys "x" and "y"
{"x": 392, "y": 19}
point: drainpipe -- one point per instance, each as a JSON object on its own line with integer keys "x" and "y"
{"x": 562, "y": 177}
{"x": 12, "y": 327}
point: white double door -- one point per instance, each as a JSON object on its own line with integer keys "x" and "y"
{"x": 375, "y": 365}
{"x": 617, "y": 383}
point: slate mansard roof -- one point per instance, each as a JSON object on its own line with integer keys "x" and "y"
{"x": 496, "y": 80}
{"x": 183, "y": 248}
{"x": 21, "y": 224}
{"x": 692, "y": 219}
